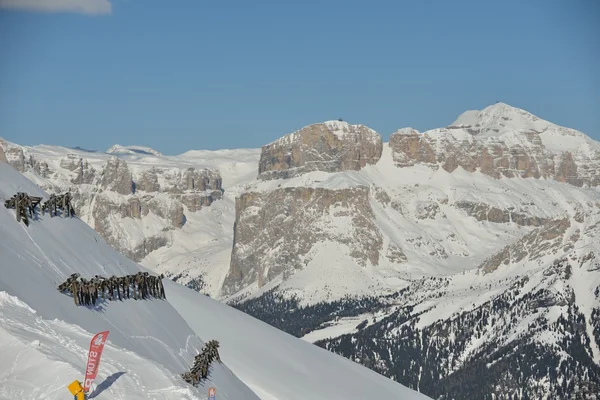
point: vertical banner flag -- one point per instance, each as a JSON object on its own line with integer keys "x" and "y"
{"x": 212, "y": 393}
{"x": 91, "y": 368}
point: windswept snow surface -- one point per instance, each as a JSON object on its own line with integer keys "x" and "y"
{"x": 155, "y": 341}
{"x": 502, "y": 119}
{"x": 278, "y": 366}
{"x": 39, "y": 357}
{"x": 44, "y": 337}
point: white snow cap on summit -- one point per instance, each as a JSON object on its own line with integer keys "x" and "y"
{"x": 502, "y": 117}
{"x": 118, "y": 149}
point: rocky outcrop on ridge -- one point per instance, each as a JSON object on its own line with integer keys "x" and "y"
{"x": 502, "y": 141}
{"x": 332, "y": 146}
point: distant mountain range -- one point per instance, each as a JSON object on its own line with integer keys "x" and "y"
{"x": 463, "y": 262}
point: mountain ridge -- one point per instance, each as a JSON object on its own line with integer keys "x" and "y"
{"x": 44, "y": 336}
{"x": 452, "y": 234}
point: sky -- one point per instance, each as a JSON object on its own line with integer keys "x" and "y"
{"x": 195, "y": 74}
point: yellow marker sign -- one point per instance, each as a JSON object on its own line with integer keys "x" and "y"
{"x": 76, "y": 390}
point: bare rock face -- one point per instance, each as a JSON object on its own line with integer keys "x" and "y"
{"x": 2, "y": 155}
{"x": 148, "y": 181}
{"x": 70, "y": 162}
{"x": 450, "y": 150}
{"x": 195, "y": 201}
{"x": 395, "y": 254}
{"x": 409, "y": 148}
{"x": 274, "y": 231}
{"x": 502, "y": 141}
{"x": 332, "y": 146}
{"x": 427, "y": 210}
{"x": 22, "y": 160}
{"x": 200, "y": 180}
{"x": 534, "y": 245}
{"x": 485, "y": 212}
{"x": 170, "y": 211}
{"x": 114, "y": 199}
{"x": 116, "y": 177}
{"x": 83, "y": 172}
{"x": 16, "y": 158}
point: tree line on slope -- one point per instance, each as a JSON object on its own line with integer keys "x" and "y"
{"x": 437, "y": 359}
{"x": 434, "y": 360}
{"x": 286, "y": 313}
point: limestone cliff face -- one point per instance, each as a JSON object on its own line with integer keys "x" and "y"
{"x": 2, "y": 155}
{"x": 116, "y": 198}
{"x": 15, "y": 157}
{"x": 23, "y": 161}
{"x": 82, "y": 171}
{"x": 486, "y": 212}
{"x": 116, "y": 177}
{"x": 503, "y": 141}
{"x": 332, "y": 146}
{"x": 275, "y": 231}
{"x": 448, "y": 149}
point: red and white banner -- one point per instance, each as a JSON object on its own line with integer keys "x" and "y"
{"x": 91, "y": 368}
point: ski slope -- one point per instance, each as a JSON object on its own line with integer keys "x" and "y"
{"x": 44, "y": 337}
{"x": 278, "y": 366}
{"x": 39, "y": 357}
{"x": 150, "y": 335}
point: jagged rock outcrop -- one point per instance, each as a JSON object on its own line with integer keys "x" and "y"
{"x": 274, "y": 231}
{"x": 23, "y": 161}
{"x": 332, "y": 146}
{"x": 109, "y": 195}
{"x": 147, "y": 181}
{"x": 83, "y": 172}
{"x": 427, "y": 210}
{"x": 195, "y": 201}
{"x": 486, "y": 212}
{"x": 532, "y": 246}
{"x": 502, "y": 141}
{"x": 171, "y": 211}
{"x": 448, "y": 149}
{"x": 116, "y": 177}
{"x": 2, "y": 155}
{"x": 16, "y": 158}
{"x": 116, "y": 235}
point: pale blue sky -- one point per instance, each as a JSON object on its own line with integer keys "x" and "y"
{"x": 191, "y": 74}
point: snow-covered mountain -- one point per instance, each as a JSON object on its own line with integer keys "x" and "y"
{"x": 44, "y": 337}
{"x": 43, "y": 332}
{"x": 148, "y": 206}
{"x": 424, "y": 258}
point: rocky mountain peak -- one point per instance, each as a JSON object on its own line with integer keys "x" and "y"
{"x": 502, "y": 140}
{"x": 331, "y": 146}
{"x": 498, "y": 119}
{"x": 117, "y": 177}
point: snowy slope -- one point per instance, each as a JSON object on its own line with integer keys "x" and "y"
{"x": 442, "y": 244}
{"x": 37, "y": 258}
{"x": 150, "y": 342}
{"x": 276, "y": 365}
{"x": 202, "y": 247}
{"x": 41, "y": 356}
{"x": 154, "y": 224}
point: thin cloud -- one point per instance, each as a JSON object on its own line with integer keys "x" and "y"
{"x": 88, "y": 7}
